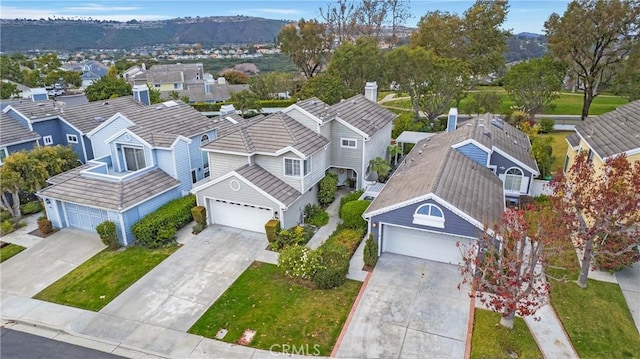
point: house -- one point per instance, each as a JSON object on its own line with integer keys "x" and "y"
{"x": 607, "y": 135}
{"x": 91, "y": 70}
{"x": 144, "y": 157}
{"x": 176, "y": 77}
{"x": 449, "y": 188}
{"x": 15, "y": 137}
{"x": 270, "y": 167}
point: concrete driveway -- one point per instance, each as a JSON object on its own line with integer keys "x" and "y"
{"x": 179, "y": 290}
{"x": 48, "y": 260}
{"x": 411, "y": 308}
{"x": 629, "y": 280}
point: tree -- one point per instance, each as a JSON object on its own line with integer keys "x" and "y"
{"x": 399, "y": 12}
{"x": 488, "y": 101}
{"x": 593, "y": 37}
{"x": 339, "y": 20}
{"x": 504, "y": 265}
{"x": 10, "y": 69}
{"x": 626, "y": 82}
{"x": 379, "y": 166}
{"x": 246, "y": 100}
{"x": 326, "y": 87}
{"x": 448, "y": 81}
{"x": 236, "y": 77}
{"x": 174, "y": 95}
{"x": 600, "y": 205}
{"x": 48, "y": 62}
{"x": 107, "y": 87}
{"x": 394, "y": 150}
{"x": 307, "y": 44}
{"x": 8, "y": 90}
{"x": 410, "y": 69}
{"x": 268, "y": 85}
{"x": 154, "y": 95}
{"x": 356, "y": 64}
{"x": 440, "y": 33}
{"x": 370, "y": 15}
{"x": 534, "y": 84}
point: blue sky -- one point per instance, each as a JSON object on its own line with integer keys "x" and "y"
{"x": 524, "y": 15}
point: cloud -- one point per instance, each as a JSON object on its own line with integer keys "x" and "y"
{"x": 101, "y": 8}
{"x": 10, "y": 12}
{"x": 280, "y": 11}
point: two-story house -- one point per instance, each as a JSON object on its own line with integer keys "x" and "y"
{"x": 144, "y": 157}
{"x": 15, "y": 137}
{"x": 450, "y": 188}
{"x": 174, "y": 77}
{"x": 270, "y": 167}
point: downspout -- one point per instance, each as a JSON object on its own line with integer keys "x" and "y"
{"x": 124, "y": 233}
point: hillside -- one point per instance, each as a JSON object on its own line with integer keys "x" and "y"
{"x": 24, "y": 35}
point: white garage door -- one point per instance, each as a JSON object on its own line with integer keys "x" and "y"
{"x": 86, "y": 218}
{"x": 237, "y": 215}
{"x": 422, "y": 244}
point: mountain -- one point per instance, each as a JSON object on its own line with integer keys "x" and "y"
{"x": 25, "y": 35}
{"x": 525, "y": 46}
{"x": 530, "y": 35}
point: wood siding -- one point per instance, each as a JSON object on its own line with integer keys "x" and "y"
{"x": 475, "y": 153}
{"x": 220, "y": 163}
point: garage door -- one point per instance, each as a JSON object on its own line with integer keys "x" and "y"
{"x": 237, "y": 215}
{"x": 422, "y": 244}
{"x": 86, "y": 218}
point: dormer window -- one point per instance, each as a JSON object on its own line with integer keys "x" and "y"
{"x": 429, "y": 215}
{"x": 134, "y": 158}
{"x": 204, "y": 139}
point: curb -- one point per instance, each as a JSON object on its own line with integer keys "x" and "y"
{"x": 343, "y": 332}
{"x": 472, "y": 313}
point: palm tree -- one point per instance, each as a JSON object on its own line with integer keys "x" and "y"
{"x": 380, "y": 166}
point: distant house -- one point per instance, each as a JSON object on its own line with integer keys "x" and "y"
{"x": 607, "y": 135}
{"x": 91, "y": 70}
{"x": 174, "y": 77}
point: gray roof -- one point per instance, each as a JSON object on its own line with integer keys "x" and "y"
{"x": 614, "y": 132}
{"x": 166, "y": 73}
{"x": 573, "y": 139}
{"x": 270, "y": 134}
{"x": 72, "y": 187}
{"x": 316, "y": 107}
{"x": 269, "y": 183}
{"x": 434, "y": 167}
{"x": 367, "y": 116}
{"x": 12, "y": 132}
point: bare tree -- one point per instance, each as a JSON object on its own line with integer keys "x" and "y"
{"x": 399, "y": 12}
{"x": 370, "y": 16}
{"x": 339, "y": 19}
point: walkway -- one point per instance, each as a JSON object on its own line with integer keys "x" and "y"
{"x": 549, "y": 333}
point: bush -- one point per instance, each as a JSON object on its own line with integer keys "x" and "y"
{"x": 5, "y": 215}
{"x": 347, "y": 238}
{"x": 197, "y": 228}
{"x": 199, "y": 214}
{"x": 334, "y": 269}
{"x": 107, "y": 232}
{"x": 158, "y": 228}
{"x": 351, "y": 214}
{"x": 290, "y": 237}
{"x": 370, "y": 252}
{"x": 546, "y": 125}
{"x": 327, "y": 188}
{"x": 315, "y": 215}
{"x": 45, "y": 226}
{"x": 299, "y": 262}
{"x": 6, "y": 226}
{"x": 31, "y": 207}
{"x": 272, "y": 228}
{"x": 353, "y": 196}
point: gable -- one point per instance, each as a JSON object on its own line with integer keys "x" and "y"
{"x": 103, "y": 133}
{"x": 474, "y": 152}
{"x": 236, "y": 189}
{"x": 303, "y": 117}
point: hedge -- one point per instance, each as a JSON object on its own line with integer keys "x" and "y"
{"x": 107, "y": 232}
{"x": 158, "y": 228}
{"x": 211, "y": 107}
{"x": 353, "y": 196}
{"x": 334, "y": 269}
{"x": 31, "y": 207}
{"x": 327, "y": 188}
{"x": 351, "y": 214}
{"x": 272, "y": 228}
{"x": 199, "y": 214}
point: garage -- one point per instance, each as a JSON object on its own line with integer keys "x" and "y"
{"x": 422, "y": 244}
{"x": 84, "y": 217}
{"x": 251, "y": 218}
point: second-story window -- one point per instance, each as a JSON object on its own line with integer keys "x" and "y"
{"x": 72, "y": 138}
{"x": 134, "y": 158}
{"x": 348, "y": 142}
{"x": 307, "y": 166}
{"x": 291, "y": 167}
{"x": 48, "y": 140}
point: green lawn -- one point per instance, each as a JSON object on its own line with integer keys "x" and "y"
{"x": 99, "y": 280}
{"x": 491, "y": 340}
{"x": 559, "y": 147}
{"x": 280, "y": 312}
{"x": 9, "y": 251}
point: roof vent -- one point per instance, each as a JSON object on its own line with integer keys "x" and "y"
{"x": 41, "y": 104}
{"x": 353, "y": 101}
{"x": 105, "y": 103}
{"x": 97, "y": 119}
{"x": 158, "y": 107}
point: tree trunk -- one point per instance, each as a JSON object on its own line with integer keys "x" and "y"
{"x": 12, "y": 206}
{"x": 586, "y": 263}
{"x": 507, "y": 320}
{"x": 586, "y": 103}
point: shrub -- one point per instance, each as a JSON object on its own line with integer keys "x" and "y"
{"x": 272, "y": 227}
{"x": 45, "y": 226}
{"x": 347, "y": 238}
{"x": 327, "y": 188}
{"x": 107, "y": 232}
{"x": 31, "y": 207}
{"x": 289, "y": 237}
{"x": 197, "y": 228}
{"x": 5, "y": 215}
{"x": 299, "y": 262}
{"x": 199, "y": 214}
{"x": 158, "y": 228}
{"x": 546, "y": 125}
{"x": 334, "y": 269}
{"x": 315, "y": 215}
{"x": 353, "y": 196}
{"x": 351, "y": 214}
{"x": 370, "y": 252}
{"x": 6, "y": 226}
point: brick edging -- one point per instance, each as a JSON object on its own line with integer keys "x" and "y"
{"x": 350, "y": 316}
{"x": 472, "y": 313}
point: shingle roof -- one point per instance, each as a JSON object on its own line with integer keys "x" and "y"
{"x": 434, "y": 167}
{"x": 71, "y": 186}
{"x": 363, "y": 114}
{"x": 614, "y": 132}
{"x": 12, "y": 132}
{"x": 270, "y": 134}
{"x": 167, "y": 73}
{"x": 269, "y": 183}
{"x": 316, "y": 107}
{"x": 573, "y": 139}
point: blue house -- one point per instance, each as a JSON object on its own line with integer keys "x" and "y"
{"x": 143, "y": 157}
{"x": 15, "y": 137}
{"x": 450, "y": 188}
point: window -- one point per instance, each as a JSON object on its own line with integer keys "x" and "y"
{"x": 204, "y": 139}
{"x": 134, "y": 158}
{"x": 291, "y": 167}
{"x": 194, "y": 176}
{"x": 566, "y": 164}
{"x": 307, "y": 166}
{"x": 156, "y": 85}
{"x": 429, "y": 215}
{"x": 177, "y": 86}
{"x": 72, "y": 138}
{"x": 48, "y": 140}
{"x": 205, "y": 163}
{"x": 513, "y": 179}
{"x": 348, "y": 142}
{"x": 3, "y": 154}
{"x": 590, "y": 155}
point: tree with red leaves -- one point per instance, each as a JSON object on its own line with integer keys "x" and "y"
{"x": 602, "y": 209}
{"x": 504, "y": 267}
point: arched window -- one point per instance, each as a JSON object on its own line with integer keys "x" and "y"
{"x": 429, "y": 215}
{"x": 204, "y": 139}
{"x": 513, "y": 179}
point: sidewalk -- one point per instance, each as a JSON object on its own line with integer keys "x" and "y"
{"x": 549, "y": 334}
{"x": 21, "y": 236}
{"x": 334, "y": 218}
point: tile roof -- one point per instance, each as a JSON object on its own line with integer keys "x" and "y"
{"x": 614, "y": 132}
{"x": 72, "y": 187}
{"x": 316, "y": 107}
{"x": 363, "y": 114}
{"x": 573, "y": 139}
{"x": 12, "y": 132}
{"x": 270, "y": 134}
{"x": 166, "y": 73}
{"x": 269, "y": 183}
{"x": 434, "y": 167}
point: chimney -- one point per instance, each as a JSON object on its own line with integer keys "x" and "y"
{"x": 144, "y": 67}
{"x": 39, "y": 94}
{"x": 141, "y": 94}
{"x": 227, "y": 110}
{"x": 371, "y": 91}
{"x": 452, "y": 119}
